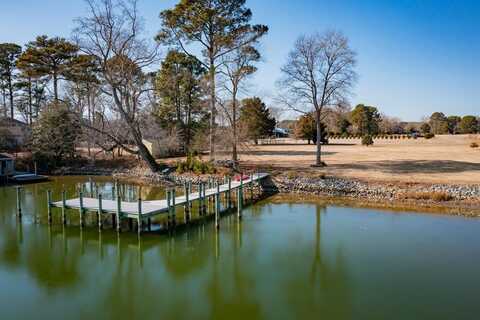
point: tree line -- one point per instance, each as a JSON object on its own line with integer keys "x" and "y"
{"x": 105, "y": 86}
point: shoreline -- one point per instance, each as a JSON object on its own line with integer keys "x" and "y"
{"x": 452, "y": 199}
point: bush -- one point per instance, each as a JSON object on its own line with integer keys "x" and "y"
{"x": 429, "y": 135}
{"x": 367, "y": 140}
{"x": 435, "y": 196}
{"x": 473, "y": 145}
{"x": 195, "y": 165}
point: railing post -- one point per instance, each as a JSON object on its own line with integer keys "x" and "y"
{"x": 229, "y": 192}
{"x": 64, "y": 207}
{"x": 49, "y": 206}
{"x": 100, "y": 210}
{"x": 187, "y": 203}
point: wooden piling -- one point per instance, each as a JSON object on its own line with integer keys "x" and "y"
{"x": 229, "y": 194}
{"x": 239, "y": 203}
{"x": 80, "y": 196}
{"x": 100, "y": 210}
{"x": 174, "y": 216}
{"x": 118, "y": 212}
{"x": 19, "y": 202}
{"x": 49, "y": 206}
{"x": 139, "y": 221}
{"x": 169, "y": 209}
{"x": 217, "y": 207}
{"x": 64, "y": 207}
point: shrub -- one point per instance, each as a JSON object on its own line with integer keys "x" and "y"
{"x": 195, "y": 165}
{"x": 473, "y": 145}
{"x": 429, "y": 135}
{"x": 367, "y": 140}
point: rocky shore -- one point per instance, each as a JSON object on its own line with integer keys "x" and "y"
{"x": 453, "y": 196}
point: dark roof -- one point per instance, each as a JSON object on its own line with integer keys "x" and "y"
{"x": 12, "y": 122}
{"x": 4, "y": 156}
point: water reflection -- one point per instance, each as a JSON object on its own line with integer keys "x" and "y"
{"x": 283, "y": 261}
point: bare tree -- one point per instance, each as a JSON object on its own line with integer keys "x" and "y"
{"x": 238, "y": 65}
{"x": 319, "y": 73}
{"x": 112, "y": 34}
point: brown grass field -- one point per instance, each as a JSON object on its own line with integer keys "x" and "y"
{"x": 443, "y": 159}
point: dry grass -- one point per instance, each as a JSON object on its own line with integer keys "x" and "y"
{"x": 434, "y": 196}
{"x": 443, "y": 159}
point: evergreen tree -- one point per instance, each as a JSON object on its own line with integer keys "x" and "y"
{"x": 180, "y": 95}
{"x": 306, "y": 129}
{"x": 9, "y": 53}
{"x": 54, "y": 135}
{"x": 218, "y": 27}
{"x": 469, "y": 124}
{"x": 256, "y": 118}
{"x": 366, "y": 119}
{"x": 54, "y": 58}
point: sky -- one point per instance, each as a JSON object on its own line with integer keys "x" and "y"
{"x": 414, "y": 56}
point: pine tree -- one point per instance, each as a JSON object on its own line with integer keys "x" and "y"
{"x": 256, "y": 118}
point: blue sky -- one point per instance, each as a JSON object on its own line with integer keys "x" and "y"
{"x": 414, "y": 56}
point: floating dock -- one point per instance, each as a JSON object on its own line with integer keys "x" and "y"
{"x": 144, "y": 210}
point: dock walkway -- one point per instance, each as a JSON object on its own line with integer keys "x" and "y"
{"x": 141, "y": 210}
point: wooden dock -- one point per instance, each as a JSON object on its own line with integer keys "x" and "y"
{"x": 144, "y": 210}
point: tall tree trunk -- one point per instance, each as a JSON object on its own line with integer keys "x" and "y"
{"x": 234, "y": 125}
{"x": 30, "y": 102}
{"x": 10, "y": 91}
{"x": 4, "y": 96}
{"x": 212, "y": 109}
{"x": 318, "y": 161}
{"x": 55, "y": 86}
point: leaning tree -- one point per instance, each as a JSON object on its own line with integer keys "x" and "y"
{"x": 319, "y": 73}
{"x": 111, "y": 33}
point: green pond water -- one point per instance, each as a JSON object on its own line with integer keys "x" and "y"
{"x": 284, "y": 260}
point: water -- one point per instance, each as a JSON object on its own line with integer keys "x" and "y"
{"x": 283, "y": 261}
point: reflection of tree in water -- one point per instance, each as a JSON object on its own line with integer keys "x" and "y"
{"x": 329, "y": 292}
{"x": 230, "y": 285}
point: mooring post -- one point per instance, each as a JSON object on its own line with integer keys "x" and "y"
{"x": 204, "y": 200}
{"x": 19, "y": 202}
{"x": 229, "y": 181}
{"x": 49, "y": 206}
{"x": 217, "y": 207}
{"x": 239, "y": 203}
{"x": 169, "y": 208}
{"x": 100, "y": 210}
{"x": 64, "y": 207}
{"x": 174, "y": 216}
{"x": 139, "y": 221}
{"x": 119, "y": 210}
{"x": 80, "y": 196}
{"x": 187, "y": 203}
{"x": 251, "y": 188}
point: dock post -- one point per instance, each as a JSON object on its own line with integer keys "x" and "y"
{"x": 100, "y": 209}
{"x": 19, "y": 202}
{"x": 49, "y": 206}
{"x": 90, "y": 186}
{"x": 187, "y": 203}
{"x": 35, "y": 167}
{"x": 217, "y": 206}
{"x": 80, "y": 195}
{"x": 229, "y": 192}
{"x": 64, "y": 209}
{"x": 251, "y": 188}
{"x": 174, "y": 217}
{"x": 139, "y": 221}
{"x": 239, "y": 203}
{"x": 119, "y": 209}
{"x": 169, "y": 208}
{"x": 204, "y": 195}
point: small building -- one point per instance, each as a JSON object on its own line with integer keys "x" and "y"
{"x": 7, "y": 166}
{"x": 18, "y": 133}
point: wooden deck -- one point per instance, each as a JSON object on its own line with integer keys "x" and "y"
{"x": 149, "y": 208}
